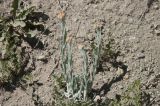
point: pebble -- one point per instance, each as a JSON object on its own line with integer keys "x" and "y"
{"x": 97, "y": 98}
{"x": 119, "y": 71}
{"x": 75, "y": 19}
{"x": 126, "y": 77}
{"x": 156, "y": 7}
{"x": 140, "y": 55}
{"x": 95, "y": 6}
{"x": 42, "y": 58}
{"x": 157, "y": 32}
{"x": 3, "y": 55}
{"x": 120, "y": 86}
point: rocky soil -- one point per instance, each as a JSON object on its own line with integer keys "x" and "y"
{"x": 134, "y": 25}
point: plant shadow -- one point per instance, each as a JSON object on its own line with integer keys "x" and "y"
{"x": 106, "y": 87}
{"x": 112, "y": 59}
{"x": 35, "y": 22}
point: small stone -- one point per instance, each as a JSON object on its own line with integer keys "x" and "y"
{"x": 156, "y": 7}
{"x": 120, "y": 86}
{"x": 75, "y": 20}
{"x": 130, "y": 20}
{"x": 97, "y": 98}
{"x": 126, "y": 77}
{"x": 140, "y": 55}
{"x": 157, "y": 32}
{"x": 119, "y": 71}
{"x": 3, "y": 55}
{"x": 42, "y": 58}
{"x": 95, "y": 6}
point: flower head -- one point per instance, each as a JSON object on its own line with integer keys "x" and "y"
{"x": 61, "y": 15}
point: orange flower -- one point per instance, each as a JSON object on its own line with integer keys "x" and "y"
{"x": 61, "y": 15}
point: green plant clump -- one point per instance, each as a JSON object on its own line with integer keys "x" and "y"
{"x": 13, "y": 29}
{"x": 131, "y": 97}
{"x": 76, "y": 88}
